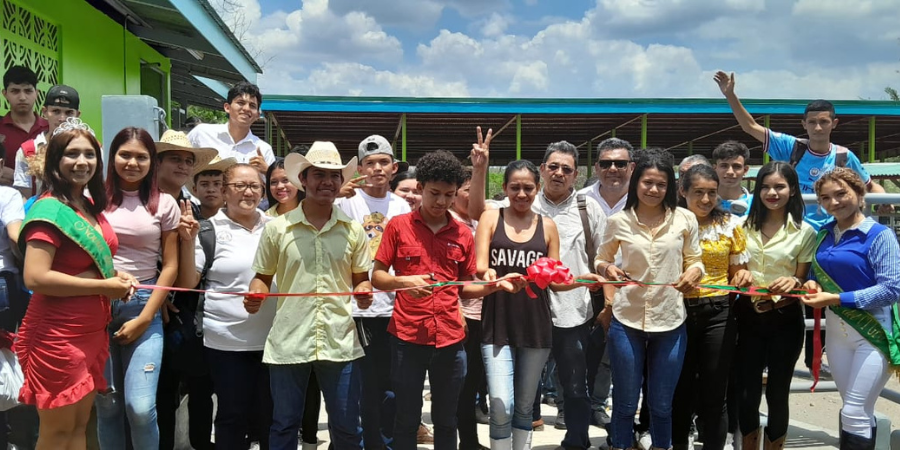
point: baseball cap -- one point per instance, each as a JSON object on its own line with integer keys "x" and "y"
{"x": 378, "y": 145}
{"x": 62, "y": 95}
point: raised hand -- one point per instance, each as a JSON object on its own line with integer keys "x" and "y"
{"x": 481, "y": 148}
{"x": 349, "y": 188}
{"x": 259, "y": 162}
{"x": 725, "y": 82}
{"x": 188, "y": 226}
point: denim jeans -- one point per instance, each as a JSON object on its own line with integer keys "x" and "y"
{"x": 341, "y": 388}
{"x": 513, "y": 375}
{"x": 240, "y": 381}
{"x": 465, "y": 409}
{"x": 570, "y": 346}
{"x": 377, "y": 405}
{"x": 135, "y": 370}
{"x": 773, "y": 340}
{"x": 711, "y": 341}
{"x": 446, "y": 369}
{"x": 663, "y": 353}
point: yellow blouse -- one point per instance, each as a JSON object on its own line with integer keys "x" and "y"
{"x": 724, "y": 244}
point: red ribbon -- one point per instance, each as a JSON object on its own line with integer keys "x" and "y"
{"x": 545, "y": 271}
{"x": 817, "y": 347}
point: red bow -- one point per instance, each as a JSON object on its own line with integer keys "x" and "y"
{"x": 545, "y": 271}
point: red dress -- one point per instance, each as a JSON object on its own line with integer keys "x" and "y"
{"x": 63, "y": 342}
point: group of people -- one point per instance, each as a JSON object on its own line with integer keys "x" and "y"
{"x": 354, "y": 281}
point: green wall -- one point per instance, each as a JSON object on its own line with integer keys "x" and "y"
{"x": 97, "y": 56}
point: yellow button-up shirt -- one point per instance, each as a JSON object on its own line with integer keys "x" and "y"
{"x": 779, "y": 257}
{"x": 306, "y": 260}
{"x": 659, "y": 258}
{"x": 724, "y": 244}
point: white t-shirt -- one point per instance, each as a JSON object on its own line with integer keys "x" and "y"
{"x": 217, "y": 136}
{"x": 21, "y": 178}
{"x": 11, "y": 210}
{"x": 374, "y": 214}
{"x": 593, "y": 191}
{"x": 227, "y": 326}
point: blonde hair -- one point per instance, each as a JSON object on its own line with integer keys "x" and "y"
{"x": 36, "y": 161}
{"x": 848, "y": 177}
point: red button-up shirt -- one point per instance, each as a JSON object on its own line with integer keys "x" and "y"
{"x": 15, "y": 136}
{"x": 409, "y": 245}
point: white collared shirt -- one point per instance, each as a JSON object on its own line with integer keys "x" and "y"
{"x": 593, "y": 191}
{"x": 217, "y": 136}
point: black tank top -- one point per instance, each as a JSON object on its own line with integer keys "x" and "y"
{"x": 516, "y": 319}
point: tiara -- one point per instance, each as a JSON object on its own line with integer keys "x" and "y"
{"x": 71, "y": 124}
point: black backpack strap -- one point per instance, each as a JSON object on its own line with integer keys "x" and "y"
{"x": 800, "y": 148}
{"x": 585, "y": 223}
{"x": 207, "y": 238}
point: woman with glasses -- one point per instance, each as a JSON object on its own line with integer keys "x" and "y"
{"x": 145, "y": 221}
{"x": 234, "y": 339}
{"x": 660, "y": 244}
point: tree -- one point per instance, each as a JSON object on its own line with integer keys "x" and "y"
{"x": 892, "y": 93}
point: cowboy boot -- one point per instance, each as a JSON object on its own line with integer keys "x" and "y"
{"x": 750, "y": 441}
{"x": 849, "y": 441}
{"x": 777, "y": 444}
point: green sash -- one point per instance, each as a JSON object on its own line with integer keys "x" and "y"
{"x": 52, "y": 211}
{"x": 861, "y": 320}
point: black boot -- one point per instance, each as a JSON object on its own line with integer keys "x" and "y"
{"x": 850, "y": 441}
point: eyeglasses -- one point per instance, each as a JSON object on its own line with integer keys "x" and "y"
{"x": 607, "y": 163}
{"x": 566, "y": 170}
{"x": 255, "y": 187}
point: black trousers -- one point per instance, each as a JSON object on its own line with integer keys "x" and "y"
{"x": 772, "y": 339}
{"x": 200, "y": 406}
{"x": 465, "y": 410}
{"x": 703, "y": 384}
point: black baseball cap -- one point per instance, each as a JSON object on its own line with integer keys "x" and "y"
{"x": 62, "y": 95}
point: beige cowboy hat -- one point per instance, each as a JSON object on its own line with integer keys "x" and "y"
{"x": 177, "y": 140}
{"x": 217, "y": 164}
{"x": 321, "y": 154}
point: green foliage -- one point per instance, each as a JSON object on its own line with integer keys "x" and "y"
{"x": 892, "y": 93}
{"x": 206, "y": 115}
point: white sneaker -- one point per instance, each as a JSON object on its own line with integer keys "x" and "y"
{"x": 643, "y": 440}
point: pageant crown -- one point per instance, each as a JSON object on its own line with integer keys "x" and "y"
{"x": 71, "y": 124}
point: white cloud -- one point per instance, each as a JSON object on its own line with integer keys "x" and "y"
{"x": 618, "y": 48}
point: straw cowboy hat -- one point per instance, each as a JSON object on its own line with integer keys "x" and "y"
{"x": 217, "y": 164}
{"x": 323, "y": 155}
{"x": 176, "y": 140}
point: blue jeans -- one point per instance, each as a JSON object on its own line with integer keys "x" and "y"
{"x": 663, "y": 353}
{"x": 446, "y": 369}
{"x": 340, "y": 387}
{"x": 377, "y": 404}
{"x": 135, "y": 371}
{"x": 513, "y": 375}
{"x": 570, "y": 347}
{"x": 241, "y": 384}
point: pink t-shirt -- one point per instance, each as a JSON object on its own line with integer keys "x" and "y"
{"x": 140, "y": 233}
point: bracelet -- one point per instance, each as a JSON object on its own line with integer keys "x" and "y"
{"x": 797, "y": 280}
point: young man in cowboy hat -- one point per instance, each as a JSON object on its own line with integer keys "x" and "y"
{"x": 234, "y": 139}
{"x": 206, "y": 186}
{"x": 318, "y": 251}
{"x": 374, "y": 207}
{"x": 60, "y": 104}
{"x": 178, "y": 162}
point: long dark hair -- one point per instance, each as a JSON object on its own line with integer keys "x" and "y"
{"x": 278, "y": 164}
{"x": 795, "y": 206}
{"x": 148, "y": 191}
{"x": 653, "y": 159}
{"x": 703, "y": 172}
{"x": 61, "y": 188}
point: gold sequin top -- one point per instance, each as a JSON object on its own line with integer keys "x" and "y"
{"x": 724, "y": 244}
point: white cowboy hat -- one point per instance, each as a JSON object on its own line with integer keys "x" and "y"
{"x": 217, "y": 163}
{"x": 321, "y": 154}
{"x": 176, "y": 140}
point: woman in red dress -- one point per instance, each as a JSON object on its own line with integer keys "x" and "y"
{"x": 63, "y": 343}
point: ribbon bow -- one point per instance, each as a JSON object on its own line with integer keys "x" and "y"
{"x": 545, "y": 271}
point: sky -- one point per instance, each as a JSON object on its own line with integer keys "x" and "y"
{"x": 801, "y": 49}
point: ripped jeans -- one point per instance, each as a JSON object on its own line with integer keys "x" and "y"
{"x": 135, "y": 370}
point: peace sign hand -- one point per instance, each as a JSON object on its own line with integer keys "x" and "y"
{"x": 481, "y": 148}
{"x": 188, "y": 226}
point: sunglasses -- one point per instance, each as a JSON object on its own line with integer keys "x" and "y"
{"x": 607, "y": 163}
{"x": 566, "y": 170}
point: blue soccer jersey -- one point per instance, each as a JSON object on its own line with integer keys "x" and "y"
{"x": 810, "y": 168}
